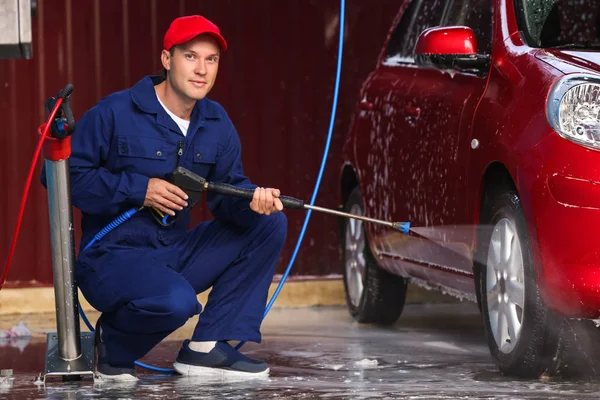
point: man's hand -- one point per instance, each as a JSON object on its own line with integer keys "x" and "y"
{"x": 165, "y": 196}
{"x": 266, "y": 201}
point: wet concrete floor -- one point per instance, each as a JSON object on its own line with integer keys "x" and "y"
{"x": 433, "y": 352}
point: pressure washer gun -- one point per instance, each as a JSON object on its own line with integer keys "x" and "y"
{"x": 194, "y": 185}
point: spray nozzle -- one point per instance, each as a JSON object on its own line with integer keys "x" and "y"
{"x": 403, "y": 227}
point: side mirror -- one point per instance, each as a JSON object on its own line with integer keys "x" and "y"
{"x": 451, "y": 47}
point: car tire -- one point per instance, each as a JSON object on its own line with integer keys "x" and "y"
{"x": 509, "y": 291}
{"x": 372, "y": 294}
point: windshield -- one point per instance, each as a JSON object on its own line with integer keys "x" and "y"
{"x": 560, "y": 23}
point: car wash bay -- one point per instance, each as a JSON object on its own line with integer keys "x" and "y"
{"x": 434, "y": 351}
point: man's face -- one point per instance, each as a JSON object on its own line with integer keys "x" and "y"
{"x": 193, "y": 67}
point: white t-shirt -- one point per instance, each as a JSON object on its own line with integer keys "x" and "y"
{"x": 182, "y": 123}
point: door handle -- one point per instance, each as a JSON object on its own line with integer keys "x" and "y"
{"x": 366, "y": 105}
{"x": 412, "y": 111}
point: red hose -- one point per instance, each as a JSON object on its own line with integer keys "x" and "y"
{"x": 36, "y": 155}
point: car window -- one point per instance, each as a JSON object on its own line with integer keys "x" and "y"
{"x": 560, "y": 23}
{"x": 477, "y": 15}
{"x": 419, "y": 15}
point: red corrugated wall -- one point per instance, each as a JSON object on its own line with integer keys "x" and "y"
{"x": 276, "y": 82}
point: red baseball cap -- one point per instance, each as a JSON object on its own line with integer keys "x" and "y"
{"x": 184, "y": 29}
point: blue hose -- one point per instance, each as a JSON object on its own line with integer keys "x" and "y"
{"x": 323, "y": 163}
{"x": 119, "y": 220}
{"x": 112, "y": 225}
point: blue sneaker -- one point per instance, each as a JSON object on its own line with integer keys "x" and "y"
{"x": 223, "y": 361}
{"x": 104, "y": 370}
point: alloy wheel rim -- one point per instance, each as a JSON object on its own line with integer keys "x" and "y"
{"x": 505, "y": 286}
{"x": 355, "y": 257}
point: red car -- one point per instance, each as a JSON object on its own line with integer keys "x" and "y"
{"x": 480, "y": 125}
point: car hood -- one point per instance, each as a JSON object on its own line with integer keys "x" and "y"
{"x": 571, "y": 61}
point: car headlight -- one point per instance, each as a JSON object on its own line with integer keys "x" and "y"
{"x": 573, "y": 109}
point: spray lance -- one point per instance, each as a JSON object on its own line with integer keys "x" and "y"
{"x": 194, "y": 185}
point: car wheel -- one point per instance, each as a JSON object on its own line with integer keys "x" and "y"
{"x": 520, "y": 330}
{"x": 372, "y": 294}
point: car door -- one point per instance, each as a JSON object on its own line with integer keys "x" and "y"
{"x": 447, "y": 100}
{"x": 429, "y": 184}
{"x": 388, "y": 123}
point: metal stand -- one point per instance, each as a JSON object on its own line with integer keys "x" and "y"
{"x": 58, "y": 366}
{"x": 69, "y": 353}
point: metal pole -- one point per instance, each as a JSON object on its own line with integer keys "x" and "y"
{"x": 63, "y": 258}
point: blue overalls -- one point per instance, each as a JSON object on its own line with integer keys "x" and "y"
{"x": 144, "y": 277}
